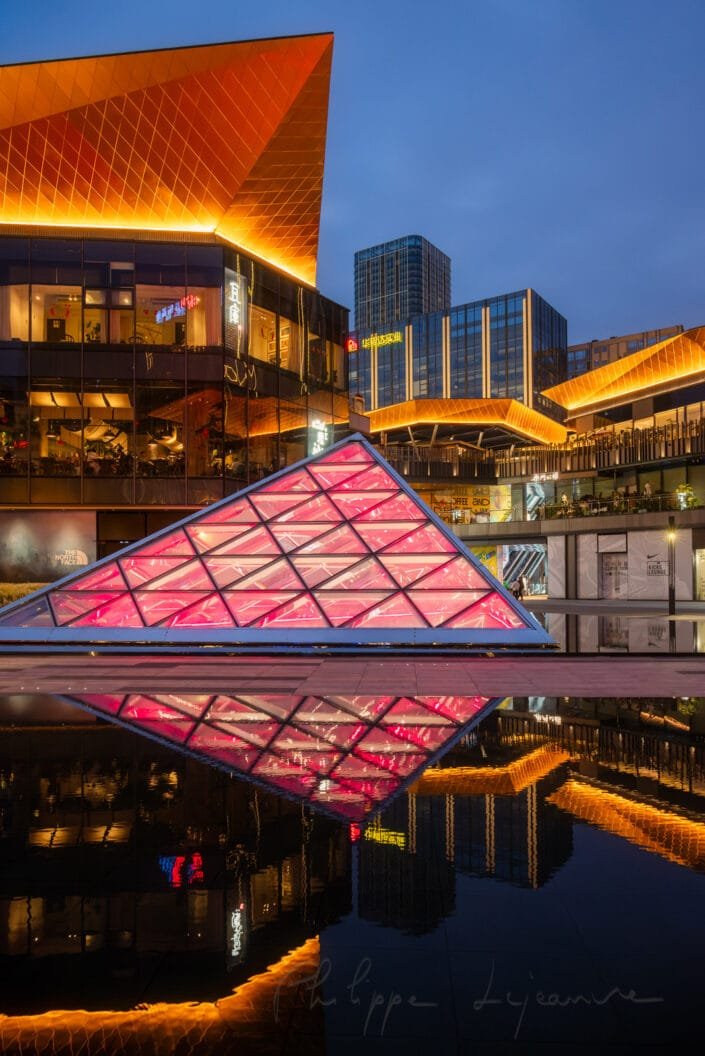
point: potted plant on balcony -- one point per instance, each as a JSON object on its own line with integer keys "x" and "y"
{"x": 686, "y": 497}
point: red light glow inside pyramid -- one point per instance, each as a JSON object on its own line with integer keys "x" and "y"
{"x": 337, "y": 542}
{"x": 344, "y": 754}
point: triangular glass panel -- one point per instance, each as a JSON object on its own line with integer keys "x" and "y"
{"x": 398, "y": 508}
{"x": 408, "y": 712}
{"x": 406, "y": 569}
{"x": 209, "y": 612}
{"x": 273, "y": 503}
{"x": 341, "y": 734}
{"x": 352, "y": 451}
{"x": 301, "y": 612}
{"x": 191, "y": 576}
{"x": 120, "y": 612}
{"x": 492, "y": 612}
{"x": 230, "y": 709}
{"x": 439, "y": 606}
{"x": 32, "y": 614}
{"x": 322, "y": 711}
{"x": 457, "y": 709}
{"x": 110, "y": 702}
{"x": 456, "y": 574}
{"x": 317, "y": 508}
{"x": 365, "y": 575}
{"x": 208, "y": 536}
{"x": 225, "y": 570}
{"x": 158, "y": 605}
{"x": 174, "y": 544}
{"x": 341, "y": 606}
{"x": 70, "y": 604}
{"x": 400, "y": 763}
{"x": 342, "y": 540}
{"x": 257, "y": 541}
{"x": 106, "y": 577}
{"x": 315, "y": 570}
{"x": 158, "y": 718}
{"x": 224, "y": 747}
{"x": 427, "y": 738}
{"x": 277, "y": 576}
{"x": 299, "y": 480}
{"x": 292, "y": 536}
{"x": 248, "y": 606}
{"x": 237, "y": 511}
{"x": 397, "y": 611}
{"x": 282, "y": 705}
{"x": 381, "y": 536}
{"x": 353, "y": 766}
{"x": 425, "y": 540}
{"x": 363, "y": 705}
{"x": 354, "y": 503}
{"x": 335, "y": 475}
{"x": 258, "y": 733}
{"x": 372, "y": 478}
{"x": 141, "y": 570}
{"x": 193, "y": 704}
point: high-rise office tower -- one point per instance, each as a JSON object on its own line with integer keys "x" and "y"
{"x": 407, "y": 276}
{"x": 508, "y": 347}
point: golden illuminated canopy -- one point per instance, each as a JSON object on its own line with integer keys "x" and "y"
{"x": 668, "y": 365}
{"x": 508, "y": 415}
{"x": 221, "y": 138}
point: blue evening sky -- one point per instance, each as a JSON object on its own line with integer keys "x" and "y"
{"x": 558, "y": 144}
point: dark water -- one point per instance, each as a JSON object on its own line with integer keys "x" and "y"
{"x": 540, "y": 890}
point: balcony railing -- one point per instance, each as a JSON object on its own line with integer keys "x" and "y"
{"x": 605, "y": 450}
{"x": 440, "y": 464}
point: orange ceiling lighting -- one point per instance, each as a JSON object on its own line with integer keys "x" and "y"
{"x": 491, "y": 780}
{"x": 223, "y": 138}
{"x": 261, "y": 1008}
{"x": 667, "y": 365}
{"x": 673, "y": 837}
{"x": 510, "y": 415}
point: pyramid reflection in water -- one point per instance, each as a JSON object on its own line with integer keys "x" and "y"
{"x": 346, "y": 755}
{"x": 337, "y": 549}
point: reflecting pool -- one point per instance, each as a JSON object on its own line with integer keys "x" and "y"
{"x": 540, "y": 882}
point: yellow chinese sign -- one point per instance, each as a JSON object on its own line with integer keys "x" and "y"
{"x": 379, "y": 340}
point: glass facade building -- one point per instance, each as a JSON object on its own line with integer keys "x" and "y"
{"x": 145, "y": 373}
{"x": 397, "y": 279}
{"x": 162, "y": 342}
{"x": 508, "y": 347}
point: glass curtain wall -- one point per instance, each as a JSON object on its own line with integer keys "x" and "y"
{"x": 466, "y": 351}
{"x": 427, "y": 355}
{"x": 550, "y": 345}
{"x": 507, "y": 346}
{"x": 118, "y": 384}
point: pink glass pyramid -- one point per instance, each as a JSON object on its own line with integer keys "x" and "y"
{"x": 346, "y": 755}
{"x": 336, "y": 549}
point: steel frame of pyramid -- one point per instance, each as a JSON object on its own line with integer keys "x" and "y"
{"x": 336, "y": 550}
{"x": 345, "y": 755}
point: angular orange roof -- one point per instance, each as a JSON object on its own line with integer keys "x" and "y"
{"x": 667, "y": 365}
{"x": 221, "y": 138}
{"x": 505, "y": 413}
